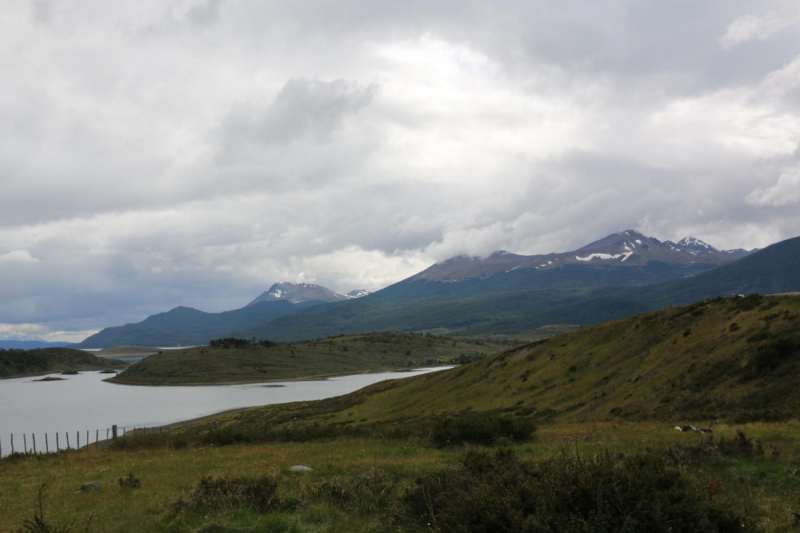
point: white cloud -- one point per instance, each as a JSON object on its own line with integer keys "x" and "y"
{"x": 784, "y": 192}
{"x": 17, "y": 257}
{"x": 750, "y": 27}
{"x": 193, "y": 152}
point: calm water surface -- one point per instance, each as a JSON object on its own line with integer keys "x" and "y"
{"x": 85, "y": 402}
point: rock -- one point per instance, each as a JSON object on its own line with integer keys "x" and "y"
{"x": 93, "y": 485}
{"x": 301, "y": 468}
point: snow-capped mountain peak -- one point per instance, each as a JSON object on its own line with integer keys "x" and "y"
{"x": 691, "y": 243}
{"x": 357, "y": 293}
{"x": 299, "y": 292}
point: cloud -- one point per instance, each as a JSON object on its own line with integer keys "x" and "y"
{"x": 17, "y": 257}
{"x": 750, "y": 27}
{"x": 784, "y": 192}
{"x": 193, "y": 152}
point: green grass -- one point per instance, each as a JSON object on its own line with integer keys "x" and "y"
{"x": 17, "y": 363}
{"x": 685, "y": 365}
{"x": 337, "y": 355}
{"x": 761, "y": 487}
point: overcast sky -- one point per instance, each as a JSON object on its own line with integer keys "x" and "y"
{"x": 156, "y": 153}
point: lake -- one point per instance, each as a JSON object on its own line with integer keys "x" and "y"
{"x": 85, "y": 402}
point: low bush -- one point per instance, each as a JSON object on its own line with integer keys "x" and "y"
{"x": 774, "y": 354}
{"x": 366, "y": 493}
{"x": 130, "y": 482}
{"x": 259, "y": 494}
{"x": 497, "y": 491}
{"x": 38, "y": 524}
{"x": 480, "y": 429}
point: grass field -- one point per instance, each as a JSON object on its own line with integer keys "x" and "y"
{"x": 763, "y": 487}
{"x": 323, "y": 357}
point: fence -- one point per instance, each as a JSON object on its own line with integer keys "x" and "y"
{"x": 60, "y": 441}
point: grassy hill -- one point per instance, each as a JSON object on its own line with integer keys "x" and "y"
{"x": 338, "y": 355}
{"x": 16, "y": 363}
{"x": 732, "y": 359}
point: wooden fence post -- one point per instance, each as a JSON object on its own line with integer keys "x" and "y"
{"x": 25, "y": 442}
{"x": 78, "y": 440}
{"x": 12, "y": 443}
{"x": 33, "y": 436}
{"x": 67, "y": 434}
{"x": 57, "y": 443}
{"x": 114, "y": 432}
{"x": 96, "y": 436}
{"x": 46, "y": 444}
{"x": 87, "y": 437}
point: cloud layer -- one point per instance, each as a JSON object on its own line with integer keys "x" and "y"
{"x": 160, "y": 153}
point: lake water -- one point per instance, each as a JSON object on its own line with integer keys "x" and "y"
{"x": 85, "y": 402}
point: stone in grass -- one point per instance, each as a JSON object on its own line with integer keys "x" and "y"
{"x": 93, "y": 485}
{"x": 300, "y": 468}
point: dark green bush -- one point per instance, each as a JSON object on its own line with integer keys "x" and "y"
{"x": 130, "y": 482}
{"x": 480, "y": 429}
{"x": 259, "y": 494}
{"x": 500, "y": 492}
{"x": 774, "y": 354}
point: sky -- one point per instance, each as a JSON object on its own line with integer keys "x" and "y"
{"x": 156, "y": 153}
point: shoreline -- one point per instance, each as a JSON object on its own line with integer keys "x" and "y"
{"x": 319, "y": 377}
{"x": 59, "y": 372}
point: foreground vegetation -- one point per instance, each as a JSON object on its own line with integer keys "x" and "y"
{"x": 238, "y": 360}
{"x": 18, "y": 363}
{"x": 574, "y": 433}
{"x": 617, "y": 476}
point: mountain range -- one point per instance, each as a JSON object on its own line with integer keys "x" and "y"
{"x": 621, "y": 275}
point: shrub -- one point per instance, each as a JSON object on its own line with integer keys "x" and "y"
{"x": 773, "y": 354}
{"x": 366, "y": 493}
{"x": 130, "y": 482}
{"x": 500, "y": 492}
{"x": 259, "y": 494}
{"x": 480, "y": 429}
{"x": 39, "y": 525}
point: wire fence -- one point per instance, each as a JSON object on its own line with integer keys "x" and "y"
{"x": 43, "y": 443}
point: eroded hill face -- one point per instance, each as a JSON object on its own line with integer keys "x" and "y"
{"x": 732, "y": 359}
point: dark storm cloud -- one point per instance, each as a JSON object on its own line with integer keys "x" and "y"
{"x": 194, "y": 151}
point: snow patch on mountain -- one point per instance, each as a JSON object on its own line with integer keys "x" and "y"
{"x": 604, "y": 257}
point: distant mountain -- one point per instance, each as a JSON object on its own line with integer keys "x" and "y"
{"x": 623, "y": 274}
{"x": 298, "y": 293}
{"x": 625, "y": 249}
{"x": 773, "y": 270}
{"x": 184, "y": 326}
{"x": 507, "y": 292}
{"x": 10, "y": 344}
{"x": 358, "y": 293}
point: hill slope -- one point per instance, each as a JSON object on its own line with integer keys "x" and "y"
{"x": 337, "y": 355}
{"x": 184, "y": 326}
{"x": 732, "y": 359}
{"x": 16, "y": 363}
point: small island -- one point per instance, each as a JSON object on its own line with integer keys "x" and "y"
{"x": 21, "y": 363}
{"x": 242, "y": 361}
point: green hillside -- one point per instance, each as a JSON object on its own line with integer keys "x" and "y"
{"x": 338, "y": 355}
{"x": 15, "y": 363}
{"x": 731, "y": 359}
